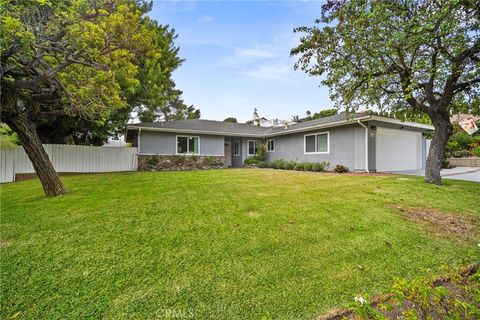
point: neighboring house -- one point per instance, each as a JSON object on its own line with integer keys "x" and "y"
{"x": 264, "y": 122}
{"x": 361, "y": 142}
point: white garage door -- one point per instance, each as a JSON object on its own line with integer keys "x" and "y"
{"x": 398, "y": 150}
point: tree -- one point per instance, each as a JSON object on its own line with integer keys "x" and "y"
{"x": 420, "y": 56}
{"x": 82, "y": 59}
{"x": 231, "y": 119}
{"x": 324, "y": 113}
{"x": 171, "y": 108}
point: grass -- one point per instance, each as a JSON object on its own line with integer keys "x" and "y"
{"x": 220, "y": 244}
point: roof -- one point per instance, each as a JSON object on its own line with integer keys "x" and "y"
{"x": 242, "y": 129}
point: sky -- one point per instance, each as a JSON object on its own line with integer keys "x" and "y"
{"x": 238, "y": 57}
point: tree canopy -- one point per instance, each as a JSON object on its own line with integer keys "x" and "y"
{"x": 418, "y": 56}
{"x": 79, "y": 67}
{"x": 231, "y": 119}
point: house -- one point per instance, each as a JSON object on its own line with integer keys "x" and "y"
{"x": 361, "y": 142}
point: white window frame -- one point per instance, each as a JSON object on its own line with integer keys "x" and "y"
{"x": 248, "y": 147}
{"x": 236, "y": 148}
{"x": 316, "y": 134}
{"x": 274, "y": 145}
{"x": 186, "y": 154}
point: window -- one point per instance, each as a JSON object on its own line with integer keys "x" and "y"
{"x": 252, "y": 147}
{"x": 317, "y": 143}
{"x": 236, "y": 148}
{"x": 188, "y": 145}
{"x": 270, "y": 145}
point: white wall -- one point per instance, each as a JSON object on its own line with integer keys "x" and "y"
{"x": 69, "y": 158}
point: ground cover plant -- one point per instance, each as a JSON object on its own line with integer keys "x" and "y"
{"x": 222, "y": 244}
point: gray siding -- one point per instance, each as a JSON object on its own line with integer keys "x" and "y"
{"x": 165, "y": 143}
{"x": 347, "y": 147}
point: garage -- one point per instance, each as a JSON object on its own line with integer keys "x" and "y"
{"x": 398, "y": 150}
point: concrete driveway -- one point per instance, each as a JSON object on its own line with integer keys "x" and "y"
{"x": 459, "y": 173}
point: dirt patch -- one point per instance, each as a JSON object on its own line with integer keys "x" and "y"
{"x": 253, "y": 214}
{"x": 458, "y": 226}
{"x": 455, "y": 289}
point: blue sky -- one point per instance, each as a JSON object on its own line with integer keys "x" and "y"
{"x": 237, "y": 57}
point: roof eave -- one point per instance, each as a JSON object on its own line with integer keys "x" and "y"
{"x": 214, "y": 133}
{"x": 404, "y": 123}
{"x": 320, "y": 126}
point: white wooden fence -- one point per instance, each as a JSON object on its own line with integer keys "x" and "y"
{"x": 69, "y": 158}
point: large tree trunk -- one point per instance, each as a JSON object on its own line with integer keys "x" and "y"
{"x": 51, "y": 183}
{"x": 436, "y": 154}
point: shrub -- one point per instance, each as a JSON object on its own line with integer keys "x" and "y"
{"x": 476, "y": 151}
{"x": 307, "y": 166}
{"x": 289, "y": 165}
{"x": 320, "y": 166}
{"x": 339, "y": 168}
{"x": 261, "y": 152}
{"x": 252, "y": 160}
{"x": 262, "y": 164}
{"x": 299, "y": 166}
{"x": 463, "y": 140}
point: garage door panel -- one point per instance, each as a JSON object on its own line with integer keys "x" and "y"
{"x": 398, "y": 150}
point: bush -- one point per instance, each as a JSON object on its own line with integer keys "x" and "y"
{"x": 261, "y": 152}
{"x": 320, "y": 166}
{"x": 299, "y": 166}
{"x": 289, "y": 165}
{"x": 307, "y": 166}
{"x": 340, "y": 169}
{"x": 252, "y": 160}
{"x": 476, "y": 151}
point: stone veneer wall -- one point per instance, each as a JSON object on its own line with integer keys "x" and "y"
{"x": 179, "y": 162}
{"x": 465, "y": 162}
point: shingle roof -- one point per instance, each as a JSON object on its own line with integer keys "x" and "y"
{"x": 206, "y": 125}
{"x": 243, "y": 129}
{"x": 318, "y": 122}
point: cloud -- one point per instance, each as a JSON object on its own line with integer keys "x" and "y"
{"x": 277, "y": 72}
{"x": 204, "y": 19}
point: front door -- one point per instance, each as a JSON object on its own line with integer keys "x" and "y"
{"x": 228, "y": 154}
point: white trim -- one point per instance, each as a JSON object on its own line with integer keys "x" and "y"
{"x": 316, "y": 134}
{"x": 404, "y": 123}
{"x": 248, "y": 147}
{"x": 320, "y": 126}
{"x": 236, "y": 143}
{"x": 181, "y": 154}
{"x": 274, "y": 145}
{"x": 187, "y": 153}
{"x": 366, "y": 145}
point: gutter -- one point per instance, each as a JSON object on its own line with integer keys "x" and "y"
{"x": 366, "y": 145}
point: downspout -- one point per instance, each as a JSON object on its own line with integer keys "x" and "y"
{"x": 366, "y": 145}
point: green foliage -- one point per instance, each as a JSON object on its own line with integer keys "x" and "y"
{"x": 299, "y": 166}
{"x": 461, "y": 144}
{"x": 8, "y": 138}
{"x": 322, "y": 114}
{"x": 231, "y": 119}
{"x": 397, "y": 56}
{"x": 261, "y": 152}
{"x": 259, "y": 156}
{"x": 88, "y": 65}
{"x": 454, "y": 295}
{"x": 476, "y": 151}
{"x": 340, "y": 169}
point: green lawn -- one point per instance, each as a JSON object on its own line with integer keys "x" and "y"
{"x": 220, "y": 244}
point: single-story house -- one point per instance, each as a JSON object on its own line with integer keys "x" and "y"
{"x": 361, "y": 142}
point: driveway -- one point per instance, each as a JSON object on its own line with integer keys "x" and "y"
{"x": 459, "y": 173}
